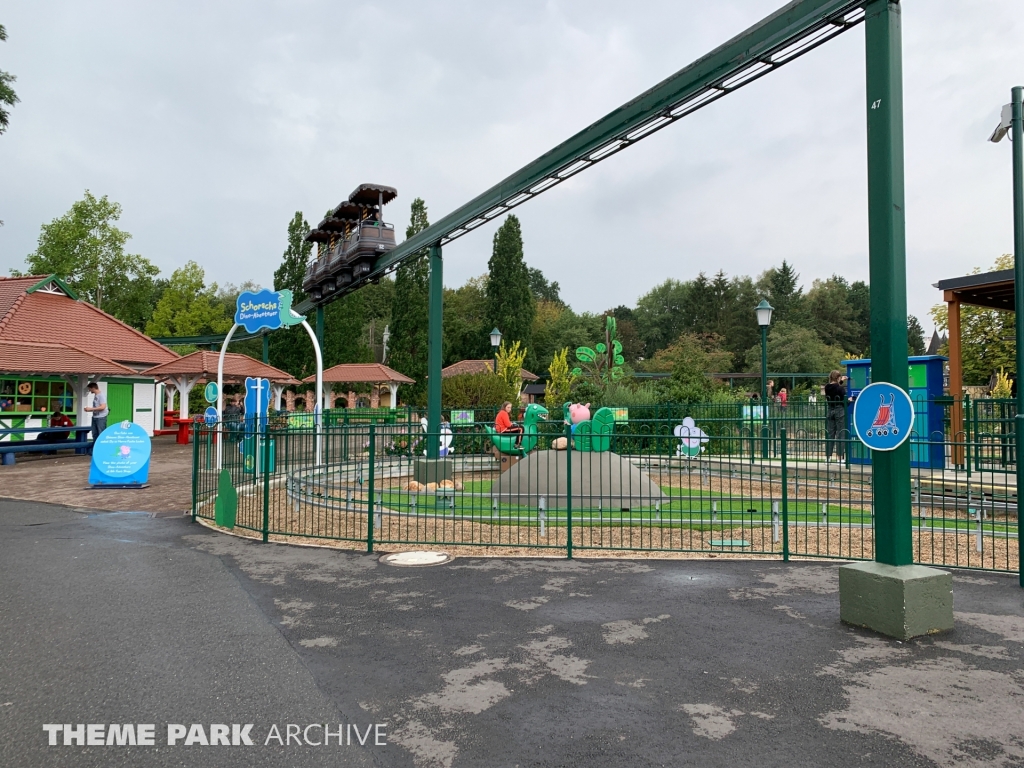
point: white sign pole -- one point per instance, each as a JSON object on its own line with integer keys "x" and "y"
{"x": 220, "y": 397}
{"x": 318, "y": 408}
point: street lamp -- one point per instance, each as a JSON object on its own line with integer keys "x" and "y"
{"x": 495, "y": 343}
{"x": 764, "y": 319}
{"x": 1012, "y": 122}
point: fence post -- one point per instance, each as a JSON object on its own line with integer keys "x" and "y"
{"x": 568, "y": 491}
{"x": 785, "y": 498}
{"x": 369, "y": 502}
{"x": 266, "y": 482}
{"x": 195, "y": 476}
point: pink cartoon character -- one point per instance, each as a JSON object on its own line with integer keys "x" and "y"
{"x": 577, "y": 414}
{"x": 125, "y": 450}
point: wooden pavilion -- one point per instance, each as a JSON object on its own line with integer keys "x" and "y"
{"x": 185, "y": 372}
{"x": 374, "y": 374}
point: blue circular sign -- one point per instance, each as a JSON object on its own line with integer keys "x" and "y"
{"x": 210, "y": 416}
{"x": 122, "y": 450}
{"x": 210, "y": 392}
{"x": 883, "y": 416}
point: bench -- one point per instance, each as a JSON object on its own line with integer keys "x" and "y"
{"x": 10, "y": 448}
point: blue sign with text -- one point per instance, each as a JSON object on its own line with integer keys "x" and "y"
{"x": 883, "y": 416}
{"x": 265, "y": 309}
{"x": 257, "y": 403}
{"x": 120, "y": 456}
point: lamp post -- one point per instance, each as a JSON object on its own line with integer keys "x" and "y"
{"x": 1012, "y": 122}
{"x": 764, "y": 319}
{"x": 495, "y": 343}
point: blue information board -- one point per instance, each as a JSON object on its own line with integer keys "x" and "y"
{"x": 883, "y": 416}
{"x": 120, "y": 456}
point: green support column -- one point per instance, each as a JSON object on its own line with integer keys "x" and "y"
{"x": 266, "y": 348}
{"x": 434, "y": 342}
{"x": 1017, "y": 134}
{"x": 888, "y": 270}
{"x": 320, "y": 326}
{"x": 891, "y": 595}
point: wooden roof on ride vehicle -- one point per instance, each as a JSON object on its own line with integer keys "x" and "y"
{"x": 369, "y": 194}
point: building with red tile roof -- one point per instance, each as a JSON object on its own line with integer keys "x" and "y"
{"x": 375, "y": 374}
{"x": 43, "y": 308}
{"x": 480, "y": 366}
{"x": 52, "y": 345}
{"x": 186, "y": 371}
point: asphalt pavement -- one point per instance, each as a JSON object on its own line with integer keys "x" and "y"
{"x": 123, "y": 618}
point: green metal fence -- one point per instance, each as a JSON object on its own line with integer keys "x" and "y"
{"x": 367, "y": 483}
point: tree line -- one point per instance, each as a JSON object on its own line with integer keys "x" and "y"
{"x": 707, "y": 321}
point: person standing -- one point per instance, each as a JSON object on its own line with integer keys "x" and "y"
{"x": 98, "y": 409}
{"x": 835, "y": 415}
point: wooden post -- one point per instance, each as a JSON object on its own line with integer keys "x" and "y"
{"x": 956, "y": 379}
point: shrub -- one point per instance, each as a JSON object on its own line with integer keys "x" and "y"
{"x": 470, "y": 390}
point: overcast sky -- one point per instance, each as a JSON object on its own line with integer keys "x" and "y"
{"x": 213, "y": 122}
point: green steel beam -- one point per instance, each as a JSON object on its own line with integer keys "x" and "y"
{"x": 435, "y": 328}
{"x": 890, "y": 472}
{"x": 212, "y": 339}
{"x": 791, "y": 31}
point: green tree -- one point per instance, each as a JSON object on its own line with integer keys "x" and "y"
{"x": 559, "y": 384}
{"x": 290, "y": 349}
{"x": 8, "y": 98}
{"x": 541, "y": 289}
{"x": 466, "y": 334}
{"x": 659, "y": 314}
{"x": 829, "y": 312}
{"x": 781, "y": 286}
{"x": 915, "y": 336}
{"x": 510, "y": 359}
{"x": 795, "y": 349}
{"x": 472, "y": 390}
{"x": 188, "y": 307}
{"x": 510, "y": 304}
{"x": 85, "y": 248}
{"x": 691, "y": 358}
{"x": 410, "y": 312}
{"x": 293, "y": 266}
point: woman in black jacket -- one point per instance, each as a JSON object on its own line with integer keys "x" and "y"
{"x": 835, "y": 414}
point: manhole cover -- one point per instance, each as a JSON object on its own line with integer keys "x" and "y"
{"x": 416, "y": 558}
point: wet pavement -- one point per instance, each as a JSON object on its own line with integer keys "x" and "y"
{"x": 64, "y": 479}
{"x": 126, "y": 618}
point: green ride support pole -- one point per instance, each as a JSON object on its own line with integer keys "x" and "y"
{"x": 266, "y": 348}
{"x": 887, "y": 266}
{"x": 1017, "y": 128}
{"x": 370, "y": 489}
{"x": 785, "y": 499}
{"x": 266, "y": 481}
{"x": 434, "y": 342}
{"x": 195, "y": 479}
{"x": 568, "y": 491}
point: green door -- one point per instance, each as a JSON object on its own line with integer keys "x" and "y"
{"x": 119, "y": 400}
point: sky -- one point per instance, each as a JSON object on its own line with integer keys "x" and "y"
{"x": 211, "y": 123}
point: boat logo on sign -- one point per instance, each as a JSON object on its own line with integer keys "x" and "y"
{"x": 883, "y": 416}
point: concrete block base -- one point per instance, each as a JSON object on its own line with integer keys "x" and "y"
{"x": 901, "y": 601}
{"x": 433, "y": 470}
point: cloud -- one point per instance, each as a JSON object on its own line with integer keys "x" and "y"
{"x": 211, "y": 123}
